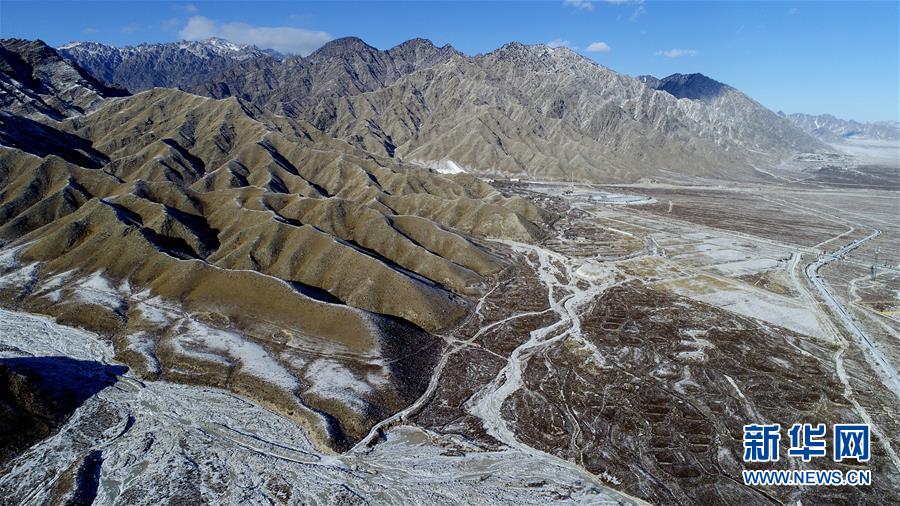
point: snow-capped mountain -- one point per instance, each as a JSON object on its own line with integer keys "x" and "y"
{"x": 172, "y": 65}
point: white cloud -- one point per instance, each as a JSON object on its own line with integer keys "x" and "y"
{"x": 188, "y": 8}
{"x": 89, "y": 30}
{"x": 598, "y": 47}
{"x": 793, "y": 11}
{"x": 559, "y": 43}
{"x": 623, "y": 2}
{"x": 677, "y": 53}
{"x": 583, "y": 5}
{"x": 283, "y": 39}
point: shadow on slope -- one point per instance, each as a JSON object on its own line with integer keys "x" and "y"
{"x": 38, "y": 394}
{"x": 43, "y": 140}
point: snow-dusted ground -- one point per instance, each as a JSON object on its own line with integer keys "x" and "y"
{"x": 746, "y": 300}
{"x": 163, "y": 442}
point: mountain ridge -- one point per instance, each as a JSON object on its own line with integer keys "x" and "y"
{"x": 734, "y": 111}
{"x": 441, "y": 108}
{"x": 833, "y": 129}
{"x": 36, "y": 81}
{"x": 169, "y": 64}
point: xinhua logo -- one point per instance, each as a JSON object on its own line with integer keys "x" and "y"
{"x": 848, "y": 440}
{"x": 807, "y": 442}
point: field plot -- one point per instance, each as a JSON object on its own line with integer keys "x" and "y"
{"x": 746, "y": 212}
{"x": 668, "y": 382}
{"x": 724, "y": 255}
{"x": 752, "y": 302}
{"x": 721, "y": 268}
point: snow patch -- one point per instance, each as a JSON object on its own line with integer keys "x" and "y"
{"x": 157, "y": 312}
{"x": 97, "y": 290}
{"x": 443, "y": 166}
{"x": 143, "y": 343}
{"x": 57, "y": 280}
{"x": 331, "y": 380}
{"x": 197, "y": 338}
{"x": 20, "y": 278}
{"x": 14, "y": 274}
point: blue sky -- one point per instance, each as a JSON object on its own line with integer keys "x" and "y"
{"x": 815, "y": 57}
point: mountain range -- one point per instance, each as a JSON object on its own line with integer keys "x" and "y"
{"x": 169, "y": 221}
{"x": 266, "y": 224}
{"x": 532, "y": 111}
{"x": 169, "y": 65}
{"x": 832, "y": 129}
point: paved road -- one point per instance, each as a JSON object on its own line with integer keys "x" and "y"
{"x": 881, "y": 365}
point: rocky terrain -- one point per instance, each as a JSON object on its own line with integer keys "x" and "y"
{"x": 218, "y": 244}
{"x": 171, "y": 65}
{"x": 35, "y": 80}
{"x": 832, "y": 129}
{"x": 523, "y": 110}
{"x": 291, "y": 282}
{"x": 734, "y": 114}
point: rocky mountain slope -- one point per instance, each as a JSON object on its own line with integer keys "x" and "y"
{"x": 733, "y": 114}
{"x": 832, "y": 129}
{"x": 217, "y": 244}
{"x": 170, "y": 65}
{"x": 308, "y": 87}
{"x": 36, "y": 81}
{"x": 529, "y": 110}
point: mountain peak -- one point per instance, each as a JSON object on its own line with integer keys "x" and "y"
{"x": 541, "y": 58}
{"x": 417, "y": 42}
{"x": 340, "y": 47}
{"x": 417, "y": 53}
{"x": 517, "y": 51}
{"x": 651, "y": 81}
{"x": 693, "y": 86}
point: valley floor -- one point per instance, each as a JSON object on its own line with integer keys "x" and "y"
{"x": 616, "y": 362}
{"x": 162, "y": 442}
